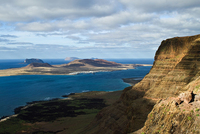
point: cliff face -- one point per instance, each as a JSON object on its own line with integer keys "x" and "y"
{"x": 176, "y": 69}
{"x": 176, "y": 64}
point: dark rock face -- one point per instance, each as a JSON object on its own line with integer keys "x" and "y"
{"x": 28, "y": 61}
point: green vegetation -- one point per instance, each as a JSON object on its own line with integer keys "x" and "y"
{"x": 13, "y": 125}
{"x": 197, "y": 114}
{"x": 192, "y": 111}
{"x": 183, "y": 109}
{"x": 197, "y": 88}
{"x": 50, "y": 111}
{"x": 143, "y": 133}
{"x": 197, "y": 110}
{"x": 189, "y": 118}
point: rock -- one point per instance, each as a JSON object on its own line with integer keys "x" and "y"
{"x": 185, "y": 97}
{"x": 178, "y": 100}
{"x": 28, "y": 61}
{"x": 197, "y": 97}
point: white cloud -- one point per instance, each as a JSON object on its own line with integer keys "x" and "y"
{"x": 161, "y": 5}
{"x": 86, "y": 26}
{"x": 28, "y": 10}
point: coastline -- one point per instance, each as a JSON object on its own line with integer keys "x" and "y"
{"x": 39, "y": 117}
{"x": 91, "y": 94}
{"x": 132, "y": 81}
{"x": 57, "y": 70}
{"x": 93, "y": 100}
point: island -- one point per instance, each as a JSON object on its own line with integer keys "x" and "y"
{"x": 33, "y": 60}
{"x": 71, "y": 58}
{"x": 72, "y": 68}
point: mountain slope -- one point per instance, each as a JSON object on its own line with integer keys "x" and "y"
{"x": 176, "y": 69}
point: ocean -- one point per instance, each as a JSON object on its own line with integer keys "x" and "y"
{"x": 16, "y": 91}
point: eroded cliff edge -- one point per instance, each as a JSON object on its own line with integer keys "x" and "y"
{"x": 176, "y": 69}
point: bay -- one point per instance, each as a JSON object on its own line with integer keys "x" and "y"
{"x": 17, "y": 90}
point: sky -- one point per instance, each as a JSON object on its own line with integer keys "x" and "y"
{"x": 55, "y": 29}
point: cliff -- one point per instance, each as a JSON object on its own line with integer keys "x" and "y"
{"x": 176, "y": 70}
{"x": 28, "y": 61}
{"x": 176, "y": 65}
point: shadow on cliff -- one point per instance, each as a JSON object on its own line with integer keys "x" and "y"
{"x": 124, "y": 116}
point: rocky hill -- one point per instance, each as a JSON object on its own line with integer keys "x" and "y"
{"x": 95, "y": 63}
{"x": 28, "y": 61}
{"x": 32, "y": 65}
{"x": 175, "y": 72}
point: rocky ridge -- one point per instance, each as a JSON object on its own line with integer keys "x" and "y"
{"x": 175, "y": 73}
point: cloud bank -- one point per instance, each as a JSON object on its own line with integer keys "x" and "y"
{"x": 93, "y": 28}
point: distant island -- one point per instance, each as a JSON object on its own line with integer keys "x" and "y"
{"x": 71, "y": 58}
{"x": 74, "y": 67}
{"x": 33, "y": 60}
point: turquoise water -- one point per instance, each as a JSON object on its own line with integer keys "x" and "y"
{"x": 17, "y": 90}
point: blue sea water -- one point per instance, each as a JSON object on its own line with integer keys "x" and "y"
{"x": 15, "y": 91}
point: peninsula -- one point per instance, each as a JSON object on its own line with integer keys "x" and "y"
{"x": 72, "y": 68}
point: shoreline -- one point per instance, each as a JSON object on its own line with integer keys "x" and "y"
{"x": 93, "y": 102}
{"x": 56, "y": 70}
{"x": 71, "y": 96}
{"x": 40, "y": 116}
{"x": 132, "y": 81}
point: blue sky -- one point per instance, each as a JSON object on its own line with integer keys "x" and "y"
{"x": 93, "y": 28}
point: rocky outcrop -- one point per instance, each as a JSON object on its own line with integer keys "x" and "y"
{"x": 28, "y": 61}
{"x": 169, "y": 117}
{"x": 174, "y": 75}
